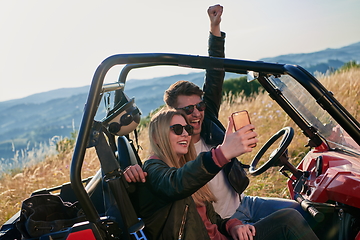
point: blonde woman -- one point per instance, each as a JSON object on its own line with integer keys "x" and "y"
{"x": 174, "y": 201}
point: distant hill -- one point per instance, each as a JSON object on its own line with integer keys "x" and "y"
{"x": 321, "y": 61}
{"x": 45, "y": 96}
{"x": 37, "y": 118}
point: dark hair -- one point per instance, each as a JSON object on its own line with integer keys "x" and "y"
{"x": 180, "y": 88}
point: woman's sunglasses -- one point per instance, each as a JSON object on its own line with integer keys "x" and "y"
{"x": 190, "y": 109}
{"x": 178, "y": 129}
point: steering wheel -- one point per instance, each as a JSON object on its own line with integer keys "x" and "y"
{"x": 288, "y": 133}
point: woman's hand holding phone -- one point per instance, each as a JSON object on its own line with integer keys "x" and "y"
{"x": 238, "y": 142}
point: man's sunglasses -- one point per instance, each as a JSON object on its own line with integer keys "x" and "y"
{"x": 190, "y": 109}
{"x": 178, "y": 129}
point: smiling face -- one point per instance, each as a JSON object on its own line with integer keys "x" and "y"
{"x": 179, "y": 143}
{"x": 196, "y": 117}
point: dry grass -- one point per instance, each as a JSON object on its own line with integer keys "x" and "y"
{"x": 346, "y": 88}
{"x": 264, "y": 113}
{"x": 51, "y": 172}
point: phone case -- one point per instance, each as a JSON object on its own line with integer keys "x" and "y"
{"x": 241, "y": 119}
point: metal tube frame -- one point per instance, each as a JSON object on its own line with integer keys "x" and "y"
{"x": 190, "y": 61}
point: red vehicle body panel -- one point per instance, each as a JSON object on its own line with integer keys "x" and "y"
{"x": 357, "y": 236}
{"x": 83, "y": 234}
{"x": 337, "y": 181}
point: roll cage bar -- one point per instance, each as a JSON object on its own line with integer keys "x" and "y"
{"x": 313, "y": 86}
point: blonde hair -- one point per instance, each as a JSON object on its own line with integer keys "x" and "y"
{"x": 159, "y": 130}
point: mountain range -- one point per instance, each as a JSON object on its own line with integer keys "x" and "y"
{"x": 37, "y": 118}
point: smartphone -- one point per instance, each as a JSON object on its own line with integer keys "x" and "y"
{"x": 241, "y": 119}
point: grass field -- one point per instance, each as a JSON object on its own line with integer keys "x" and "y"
{"x": 264, "y": 113}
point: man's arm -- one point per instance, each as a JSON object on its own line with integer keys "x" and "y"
{"x": 215, "y": 13}
{"x": 214, "y": 77}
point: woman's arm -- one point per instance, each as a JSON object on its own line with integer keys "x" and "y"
{"x": 177, "y": 183}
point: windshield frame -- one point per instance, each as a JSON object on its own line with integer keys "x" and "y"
{"x": 326, "y": 100}
{"x": 316, "y": 118}
{"x": 322, "y": 97}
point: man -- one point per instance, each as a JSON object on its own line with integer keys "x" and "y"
{"x": 201, "y": 108}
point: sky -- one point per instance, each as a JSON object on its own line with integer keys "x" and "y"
{"x": 47, "y": 45}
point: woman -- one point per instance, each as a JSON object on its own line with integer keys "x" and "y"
{"x": 175, "y": 203}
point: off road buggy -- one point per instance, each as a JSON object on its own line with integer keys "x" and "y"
{"x": 326, "y": 182}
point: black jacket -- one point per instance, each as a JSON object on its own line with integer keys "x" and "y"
{"x": 165, "y": 204}
{"x": 212, "y": 131}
